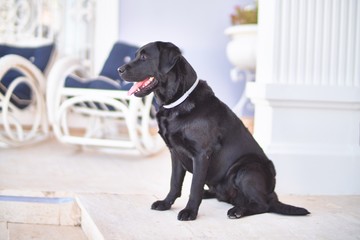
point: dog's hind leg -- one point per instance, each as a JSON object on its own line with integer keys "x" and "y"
{"x": 252, "y": 192}
{"x": 244, "y": 206}
{"x": 254, "y": 185}
{"x": 247, "y": 210}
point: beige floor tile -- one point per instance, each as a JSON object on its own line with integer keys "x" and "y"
{"x": 44, "y": 232}
{"x": 4, "y": 233}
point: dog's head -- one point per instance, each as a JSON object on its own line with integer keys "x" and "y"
{"x": 150, "y": 66}
{"x": 159, "y": 67}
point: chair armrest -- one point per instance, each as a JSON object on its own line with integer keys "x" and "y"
{"x": 23, "y": 65}
{"x": 56, "y": 80}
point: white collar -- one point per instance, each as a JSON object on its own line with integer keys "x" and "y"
{"x": 183, "y": 97}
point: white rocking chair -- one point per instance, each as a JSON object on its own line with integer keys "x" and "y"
{"x": 27, "y": 50}
{"x": 96, "y": 111}
{"x": 23, "y": 117}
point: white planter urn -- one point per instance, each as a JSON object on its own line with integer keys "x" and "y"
{"x": 241, "y": 49}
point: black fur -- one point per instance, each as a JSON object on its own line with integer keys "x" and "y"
{"x": 205, "y": 138}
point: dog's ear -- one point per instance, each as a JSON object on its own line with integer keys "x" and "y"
{"x": 169, "y": 55}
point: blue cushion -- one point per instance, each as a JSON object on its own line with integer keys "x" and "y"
{"x": 120, "y": 54}
{"x": 39, "y": 56}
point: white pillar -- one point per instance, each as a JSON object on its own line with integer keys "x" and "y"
{"x": 307, "y": 93}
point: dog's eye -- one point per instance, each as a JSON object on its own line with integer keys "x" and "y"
{"x": 143, "y": 57}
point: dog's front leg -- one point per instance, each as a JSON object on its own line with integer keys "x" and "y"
{"x": 200, "y": 168}
{"x": 177, "y": 178}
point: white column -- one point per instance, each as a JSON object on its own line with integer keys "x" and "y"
{"x": 307, "y": 93}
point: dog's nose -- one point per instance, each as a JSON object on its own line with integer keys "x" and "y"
{"x": 121, "y": 69}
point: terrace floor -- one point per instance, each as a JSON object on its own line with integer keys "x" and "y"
{"x": 55, "y": 191}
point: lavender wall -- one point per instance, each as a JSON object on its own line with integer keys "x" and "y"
{"x": 197, "y": 27}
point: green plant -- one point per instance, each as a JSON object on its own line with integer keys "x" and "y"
{"x": 245, "y": 15}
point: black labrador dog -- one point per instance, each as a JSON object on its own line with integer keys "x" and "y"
{"x": 204, "y": 137}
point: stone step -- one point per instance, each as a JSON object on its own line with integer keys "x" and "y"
{"x": 105, "y": 216}
{"x": 39, "y": 215}
{"x": 121, "y": 216}
{"x": 39, "y": 208}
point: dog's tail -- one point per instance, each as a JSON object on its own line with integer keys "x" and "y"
{"x": 279, "y": 207}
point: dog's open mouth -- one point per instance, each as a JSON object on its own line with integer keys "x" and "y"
{"x": 140, "y": 89}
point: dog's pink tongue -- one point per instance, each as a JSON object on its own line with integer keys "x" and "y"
{"x": 135, "y": 87}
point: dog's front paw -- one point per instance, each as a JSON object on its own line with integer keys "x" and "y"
{"x": 161, "y": 205}
{"x": 187, "y": 214}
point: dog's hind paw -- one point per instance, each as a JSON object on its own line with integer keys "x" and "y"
{"x": 161, "y": 205}
{"x": 235, "y": 213}
{"x": 187, "y": 215}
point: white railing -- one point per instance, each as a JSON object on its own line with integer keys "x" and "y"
{"x": 24, "y": 20}
{"x": 69, "y": 23}
{"x": 76, "y": 37}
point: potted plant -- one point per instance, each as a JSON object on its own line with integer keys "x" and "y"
{"x": 241, "y": 49}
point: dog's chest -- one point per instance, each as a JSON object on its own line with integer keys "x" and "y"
{"x": 173, "y": 131}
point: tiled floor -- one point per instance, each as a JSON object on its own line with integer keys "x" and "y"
{"x": 115, "y": 192}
